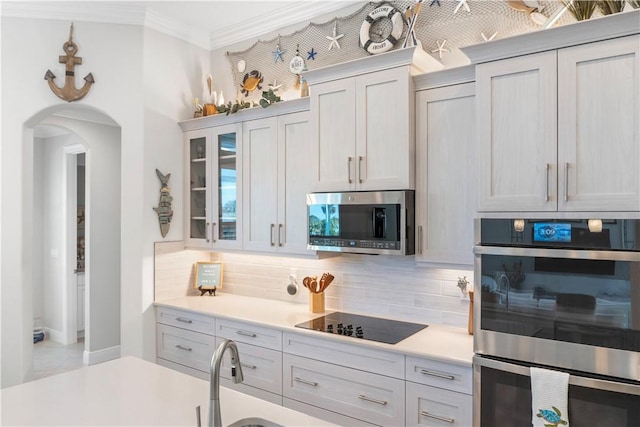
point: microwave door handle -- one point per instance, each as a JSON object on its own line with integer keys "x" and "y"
{"x": 574, "y": 380}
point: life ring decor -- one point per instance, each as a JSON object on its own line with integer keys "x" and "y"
{"x": 379, "y": 13}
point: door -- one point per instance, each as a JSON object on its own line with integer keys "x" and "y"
{"x": 516, "y": 116}
{"x": 445, "y": 183}
{"x": 226, "y": 187}
{"x": 598, "y": 126}
{"x": 333, "y": 150}
{"x": 197, "y": 189}
{"x": 260, "y": 191}
{"x": 293, "y": 182}
{"x": 384, "y": 131}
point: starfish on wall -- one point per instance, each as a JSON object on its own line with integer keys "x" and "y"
{"x": 463, "y": 4}
{"x": 440, "y": 49}
{"x": 489, "y": 38}
{"x": 335, "y": 38}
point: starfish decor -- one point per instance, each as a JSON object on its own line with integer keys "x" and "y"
{"x": 278, "y": 54}
{"x": 463, "y": 4}
{"x": 441, "y": 49}
{"x": 335, "y": 38}
{"x": 311, "y": 54}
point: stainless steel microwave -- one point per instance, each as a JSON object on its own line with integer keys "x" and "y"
{"x": 367, "y": 222}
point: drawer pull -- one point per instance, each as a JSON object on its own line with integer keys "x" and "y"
{"x": 183, "y": 320}
{"x": 311, "y": 383}
{"x": 244, "y": 365}
{"x": 437, "y": 374}
{"x": 246, "y": 334}
{"x": 178, "y": 346}
{"x": 370, "y": 399}
{"x": 437, "y": 417}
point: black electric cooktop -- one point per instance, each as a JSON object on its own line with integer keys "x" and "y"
{"x": 363, "y": 327}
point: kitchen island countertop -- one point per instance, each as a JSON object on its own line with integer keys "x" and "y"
{"x": 440, "y": 342}
{"x": 131, "y": 392}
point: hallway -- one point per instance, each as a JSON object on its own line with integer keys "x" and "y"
{"x": 51, "y": 358}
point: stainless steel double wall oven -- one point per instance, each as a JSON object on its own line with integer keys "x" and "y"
{"x": 564, "y": 295}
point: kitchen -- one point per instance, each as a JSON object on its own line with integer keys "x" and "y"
{"x": 439, "y": 304}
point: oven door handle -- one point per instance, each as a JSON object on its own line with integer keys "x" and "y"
{"x": 574, "y": 380}
{"x": 558, "y": 253}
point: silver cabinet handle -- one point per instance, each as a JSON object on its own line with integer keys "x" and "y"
{"x": 179, "y": 347}
{"x": 213, "y": 231}
{"x": 566, "y": 181}
{"x": 546, "y": 182}
{"x": 437, "y": 374}
{"x": 437, "y": 417}
{"x": 360, "y": 169}
{"x": 207, "y": 233}
{"x": 271, "y": 237}
{"x": 183, "y": 320}
{"x": 420, "y": 239}
{"x": 246, "y": 334}
{"x": 280, "y": 239}
{"x": 244, "y": 365}
{"x": 370, "y": 399}
{"x": 303, "y": 381}
{"x": 349, "y": 160}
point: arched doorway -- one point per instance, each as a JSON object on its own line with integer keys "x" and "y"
{"x": 52, "y": 246}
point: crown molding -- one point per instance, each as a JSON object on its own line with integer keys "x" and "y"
{"x": 173, "y": 28}
{"x": 291, "y": 14}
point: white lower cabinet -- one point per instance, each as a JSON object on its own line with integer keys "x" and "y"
{"x": 373, "y": 398}
{"x": 188, "y": 348}
{"x": 261, "y": 368}
{"x": 438, "y": 393}
{"x": 329, "y": 378}
{"x": 432, "y": 406}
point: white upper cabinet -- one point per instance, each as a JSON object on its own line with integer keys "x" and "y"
{"x": 276, "y": 181}
{"x": 599, "y": 126}
{"x": 445, "y": 173}
{"x": 559, "y": 130}
{"x": 362, "y": 123}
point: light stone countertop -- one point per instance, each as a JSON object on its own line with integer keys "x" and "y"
{"x": 131, "y": 392}
{"x": 440, "y": 342}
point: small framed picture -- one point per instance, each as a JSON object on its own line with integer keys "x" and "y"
{"x": 207, "y": 277}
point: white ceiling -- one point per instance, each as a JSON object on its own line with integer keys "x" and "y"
{"x": 209, "y": 24}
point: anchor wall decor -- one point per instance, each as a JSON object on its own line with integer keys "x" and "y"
{"x": 69, "y": 92}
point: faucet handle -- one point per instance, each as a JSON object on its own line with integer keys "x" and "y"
{"x": 198, "y": 419}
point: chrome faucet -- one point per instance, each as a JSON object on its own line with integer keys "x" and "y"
{"x": 215, "y": 420}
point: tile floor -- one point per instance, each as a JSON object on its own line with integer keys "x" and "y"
{"x": 51, "y": 358}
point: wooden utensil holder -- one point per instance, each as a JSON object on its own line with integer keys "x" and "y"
{"x": 316, "y": 302}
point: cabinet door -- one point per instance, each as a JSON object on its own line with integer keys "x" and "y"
{"x": 333, "y": 130}
{"x": 197, "y": 189}
{"x": 445, "y": 174}
{"x": 385, "y": 146}
{"x": 599, "y": 126}
{"x": 226, "y": 143}
{"x": 260, "y": 191}
{"x": 293, "y": 182}
{"x": 516, "y": 124}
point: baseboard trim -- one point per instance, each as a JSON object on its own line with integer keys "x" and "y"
{"x": 56, "y": 336}
{"x": 99, "y": 356}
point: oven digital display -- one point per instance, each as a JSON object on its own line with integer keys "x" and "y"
{"x": 551, "y": 232}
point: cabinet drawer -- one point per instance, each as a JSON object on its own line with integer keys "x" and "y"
{"x": 369, "y": 397}
{"x": 249, "y": 334}
{"x": 262, "y": 367}
{"x": 186, "y": 320}
{"x": 439, "y": 374}
{"x": 354, "y": 356}
{"x": 184, "y": 369}
{"x": 187, "y": 348}
{"x": 323, "y": 414}
{"x": 276, "y": 399}
{"x": 431, "y": 406}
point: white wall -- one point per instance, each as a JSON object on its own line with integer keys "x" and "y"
{"x": 150, "y": 138}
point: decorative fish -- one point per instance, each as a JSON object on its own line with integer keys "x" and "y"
{"x": 164, "y": 211}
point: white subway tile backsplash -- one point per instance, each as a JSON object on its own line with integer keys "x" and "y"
{"x": 394, "y": 287}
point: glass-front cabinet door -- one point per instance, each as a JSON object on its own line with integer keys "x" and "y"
{"x": 197, "y": 233}
{"x": 227, "y": 181}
